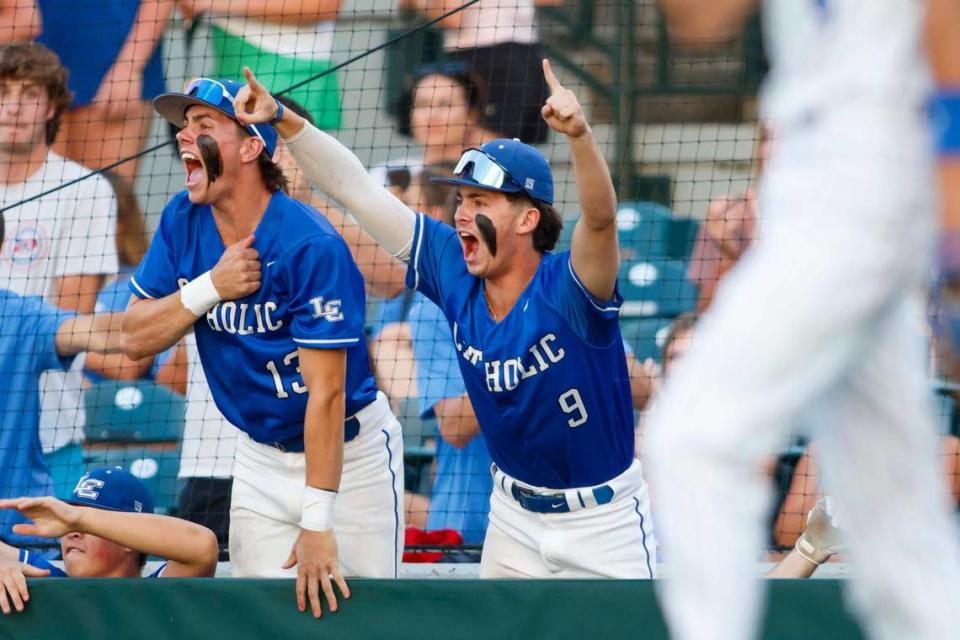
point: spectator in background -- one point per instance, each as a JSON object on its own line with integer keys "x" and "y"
{"x": 19, "y": 21}
{"x": 728, "y": 230}
{"x": 283, "y": 42}
{"x": 442, "y": 111}
{"x": 132, "y": 244}
{"x": 107, "y": 529}
{"x": 34, "y": 337}
{"x": 59, "y": 246}
{"x": 113, "y": 51}
{"x": 498, "y": 40}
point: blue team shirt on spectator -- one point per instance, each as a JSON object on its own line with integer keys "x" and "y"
{"x": 461, "y": 488}
{"x": 88, "y": 35}
{"x": 114, "y": 298}
{"x": 40, "y": 562}
{"x": 311, "y": 295}
{"x": 549, "y": 382}
{"x": 28, "y": 331}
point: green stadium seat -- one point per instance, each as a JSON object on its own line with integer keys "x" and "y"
{"x": 644, "y": 230}
{"x": 155, "y": 465}
{"x": 646, "y": 336}
{"x": 66, "y": 467}
{"x": 655, "y": 289}
{"x": 681, "y": 237}
{"x": 133, "y": 411}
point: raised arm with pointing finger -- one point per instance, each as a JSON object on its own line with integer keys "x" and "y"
{"x": 536, "y": 334}
{"x": 339, "y": 174}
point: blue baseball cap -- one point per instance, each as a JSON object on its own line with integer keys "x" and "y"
{"x": 218, "y": 94}
{"x": 113, "y": 489}
{"x": 507, "y": 166}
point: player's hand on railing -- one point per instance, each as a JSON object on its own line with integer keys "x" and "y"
{"x": 51, "y": 518}
{"x": 255, "y": 104}
{"x": 318, "y": 567}
{"x": 823, "y": 536}
{"x": 13, "y": 584}
{"x": 562, "y": 111}
{"x": 237, "y": 273}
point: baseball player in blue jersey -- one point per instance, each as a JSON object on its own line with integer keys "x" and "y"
{"x": 276, "y": 303}
{"x": 107, "y": 529}
{"x": 537, "y": 336}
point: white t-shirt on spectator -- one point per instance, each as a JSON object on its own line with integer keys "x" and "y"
{"x": 69, "y": 232}
{"x": 209, "y": 441}
{"x": 490, "y": 22}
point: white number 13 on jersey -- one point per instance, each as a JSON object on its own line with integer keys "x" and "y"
{"x": 572, "y": 404}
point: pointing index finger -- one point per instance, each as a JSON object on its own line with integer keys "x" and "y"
{"x": 551, "y": 79}
{"x": 252, "y": 80}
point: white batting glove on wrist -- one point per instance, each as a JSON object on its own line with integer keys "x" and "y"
{"x": 823, "y": 536}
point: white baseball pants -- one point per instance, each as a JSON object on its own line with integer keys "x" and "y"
{"x": 821, "y": 315}
{"x": 368, "y": 512}
{"x": 613, "y": 540}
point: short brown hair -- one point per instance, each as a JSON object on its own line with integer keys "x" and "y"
{"x": 273, "y": 177}
{"x": 547, "y": 233}
{"x": 36, "y": 63}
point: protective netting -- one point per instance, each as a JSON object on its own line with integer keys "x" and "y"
{"x": 407, "y": 88}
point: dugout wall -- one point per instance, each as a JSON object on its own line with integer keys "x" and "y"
{"x": 237, "y": 609}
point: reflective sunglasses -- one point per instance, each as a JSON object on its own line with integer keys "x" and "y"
{"x": 213, "y": 92}
{"x": 486, "y": 171}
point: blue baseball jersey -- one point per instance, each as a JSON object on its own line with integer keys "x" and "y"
{"x": 549, "y": 382}
{"x": 40, "y": 562}
{"x": 462, "y": 483}
{"x": 28, "y": 332}
{"x": 311, "y": 295}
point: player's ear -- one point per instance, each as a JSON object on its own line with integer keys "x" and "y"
{"x": 251, "y": 149}
{"x": 528, "y": 219}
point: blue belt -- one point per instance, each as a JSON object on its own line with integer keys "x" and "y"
{"x": 351, "y": 429}
{"x": 556, "y": 502}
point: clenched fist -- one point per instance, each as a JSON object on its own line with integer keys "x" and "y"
{"x": 237, "y": 273}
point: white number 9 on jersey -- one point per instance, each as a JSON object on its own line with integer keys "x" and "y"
{"x": 572, "y": 404}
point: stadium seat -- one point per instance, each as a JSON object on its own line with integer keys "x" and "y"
{"x": 66, "y": 467}
{"x": 655, "y": 289}
{"x": 646, "y": 336}
{"x": 133, "y": 411}
{"x": 156, "y": 465}
{"x": 644, "y": 230}
{"x": 681, "y": 237}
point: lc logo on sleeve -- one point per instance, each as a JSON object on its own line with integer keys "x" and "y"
{"x": 330, "y": 310}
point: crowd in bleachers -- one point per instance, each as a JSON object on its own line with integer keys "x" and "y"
{"x": 77, "y": 247}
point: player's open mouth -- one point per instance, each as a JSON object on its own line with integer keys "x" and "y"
{"x": 193, "y": 167}
{"x": 70, "y": 550}
{"x": 470, "y": 245}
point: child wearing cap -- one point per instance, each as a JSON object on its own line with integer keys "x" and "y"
{"x": 107, "y": 528}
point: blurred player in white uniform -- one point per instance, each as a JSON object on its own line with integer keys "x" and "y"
{"x": 819, "y": 317}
